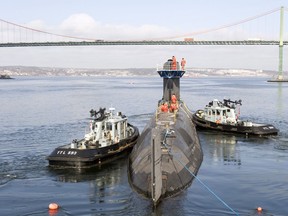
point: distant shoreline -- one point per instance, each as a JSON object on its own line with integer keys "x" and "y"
{"x": 129, "y": 72}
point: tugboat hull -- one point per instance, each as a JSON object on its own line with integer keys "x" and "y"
{"x": 67, "y": 157}
{"x": 241, "y": 127}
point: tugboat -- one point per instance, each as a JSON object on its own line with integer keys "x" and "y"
{"x": 110, "y": 135}
{"x": 5, "y": 76}
{"x": 222, "y": 116}
{"x": 168, "y": 154}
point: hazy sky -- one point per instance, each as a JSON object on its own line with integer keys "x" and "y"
{"x": 145, "y": 20}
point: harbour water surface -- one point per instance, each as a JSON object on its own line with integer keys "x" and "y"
{"x": 38, "y": 114}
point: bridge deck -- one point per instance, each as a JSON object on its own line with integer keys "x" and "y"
{"x": 115, "y": 43}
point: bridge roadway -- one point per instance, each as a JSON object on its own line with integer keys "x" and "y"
{"x": 115, "y": 43}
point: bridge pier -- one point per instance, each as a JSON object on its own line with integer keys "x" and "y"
{"x": 280, "y": 68}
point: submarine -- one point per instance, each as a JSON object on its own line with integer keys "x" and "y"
{"x": 168, "y": 154}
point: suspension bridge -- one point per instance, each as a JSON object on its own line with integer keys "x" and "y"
{"x": 16, "y": 35}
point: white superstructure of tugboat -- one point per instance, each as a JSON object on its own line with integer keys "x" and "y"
{"x": 110, "y": 135}
{"x": 223, "y": 116}
{"x": 168, "y": 146}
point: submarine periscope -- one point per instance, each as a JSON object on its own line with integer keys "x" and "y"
{"x": 168, "y": 154}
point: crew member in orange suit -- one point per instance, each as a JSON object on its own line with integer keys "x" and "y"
{"x": 183, "y": 63}
{"x": 174, "y": 63}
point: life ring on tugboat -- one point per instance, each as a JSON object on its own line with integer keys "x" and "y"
{"x": 218, "y": 121}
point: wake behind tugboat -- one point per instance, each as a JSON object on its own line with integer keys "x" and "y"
{"x": 222, "y": 116}
{"x": 168, "y": 145}
{"x": 109, "y": 137}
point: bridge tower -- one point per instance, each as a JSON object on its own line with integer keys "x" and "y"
{"x": 280, "y": 66}
{"x": 280, "y": 69}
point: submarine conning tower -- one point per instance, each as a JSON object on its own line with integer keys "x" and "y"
{"x": 171, "y": 79}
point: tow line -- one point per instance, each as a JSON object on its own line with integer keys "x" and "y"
{"x": 198, "y": 179}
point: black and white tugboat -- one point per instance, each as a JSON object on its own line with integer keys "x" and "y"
{"x": 223, "y": 116}
{"x": 168, "y": 154}
{"x": 110, "y": 135}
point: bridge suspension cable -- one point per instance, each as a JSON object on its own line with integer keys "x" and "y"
{"x": 11, "y": 34}
{"x": 224, "y": 26}
{"x": 45, "y": 32}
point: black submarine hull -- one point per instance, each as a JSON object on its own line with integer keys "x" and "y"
{"x": 178, "y": 151}
{"x": 168, "y": 154}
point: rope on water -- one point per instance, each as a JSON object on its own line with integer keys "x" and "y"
{"x": 198, "y": 179}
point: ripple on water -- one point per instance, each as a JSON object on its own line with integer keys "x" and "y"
{"x": 281, "y": 143}
{"x": 22, "y": 167}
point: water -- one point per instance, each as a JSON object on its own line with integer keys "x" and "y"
{"x": 40, "y": 113}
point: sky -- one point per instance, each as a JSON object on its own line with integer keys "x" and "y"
{"x": 146, "y": 20}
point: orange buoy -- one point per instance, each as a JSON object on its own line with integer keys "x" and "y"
{"x": 53, "y": 206}
{"x": 259, "y": 209}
